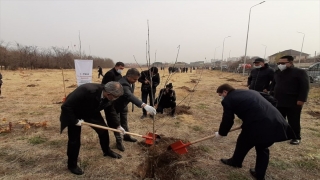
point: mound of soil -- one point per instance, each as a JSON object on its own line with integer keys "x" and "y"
{"x": 233, "y": 80}
{"x": 314, "y": 114}
{"x": 72, "y": 86}
{"x": 185, "y": 88}
{"x": 183, "y": 110}
{"x": 32, "y": 85}
{"x": 164, "y": 164}
{"x": 194, "y": 80}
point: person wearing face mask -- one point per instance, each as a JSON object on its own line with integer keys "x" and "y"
{"x": 121, "y": 104}
{"x": 113, "y": 74}
{"x": 261, "y": 76}
{"x": 149, "y": 80}
{"x": 85, "y": 104}
{"x": 262, "y": 125}
{"x": 291, "y": 88}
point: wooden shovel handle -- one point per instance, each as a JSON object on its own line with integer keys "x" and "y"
{"x": 208, "y": 137}
{"x": 111, "y": 129}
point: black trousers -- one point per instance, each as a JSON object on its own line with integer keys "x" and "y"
{"x": 100, "y": 74}
{"x": 123, "y": 116}
{"x": 243, "y": 147}
{"x": 144, "y": 98}
{"x": 293, "y": 115}
{"x": 168, "y": 104}
{"x": 74, "y": 136}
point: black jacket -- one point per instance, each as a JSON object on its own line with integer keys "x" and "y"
{"x": 146, "y": 76}
{"x": 111, "y": 75}
{"x": 260, "y": 78}
{"x": 165, "y": 97}
{"x": 262, "y": 122}
{"x": 289, "y": 86}
{"x": 127, "y": 96}
{"x": 85, "y": 103}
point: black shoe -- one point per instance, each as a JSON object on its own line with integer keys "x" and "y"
{"x": 151, "y": 116}
{"x": 254, "y": 174}
{"x": 129, "y": 138}
{"x": 229, "y": 163}
{"x": 143, "y": 116}
{"x": 112, "y": 154}
{"x": 76, "y": 170}
{"x": 120, "y": 146}
{"x": 295, "y": 141}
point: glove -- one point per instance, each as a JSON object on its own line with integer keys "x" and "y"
{"x": 79, "y": 122}
{"x": 123, "y": 132}
{"x": 218, "y": 136}
{"x": 150, "y": 109}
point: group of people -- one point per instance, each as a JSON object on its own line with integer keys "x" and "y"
{"x": 264, "y": 122}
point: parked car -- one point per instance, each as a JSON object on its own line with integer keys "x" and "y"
{"x": 314, "y": 72}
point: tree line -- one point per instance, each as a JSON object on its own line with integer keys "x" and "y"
{"x": 16, "y": 56}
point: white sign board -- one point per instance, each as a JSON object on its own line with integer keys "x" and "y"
{"x": 83, "y": 71}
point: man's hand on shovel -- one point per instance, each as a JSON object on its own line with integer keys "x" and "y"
{"x": 123, "y": 132}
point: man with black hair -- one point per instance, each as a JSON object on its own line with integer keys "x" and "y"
{"x": 147, "y": 89}
{"x": 113, "y": 74}
{"x": 261, "y": 76}
{"x": 291, "y": 88}
{"x": 100, "y": 72}
{"x": 121, "y": 104}
{"x": 166, "y": 99}
{"x": 262, "y": 126}
{"x": 85, "y": 104}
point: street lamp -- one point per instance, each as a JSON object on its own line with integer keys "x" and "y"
{"x": 215, "y": 56}
{"x": 223, "y": 50}
{"x": 245, "y": 53}
{"x": 301, "y": 47}
{"x": 264, "y": 51}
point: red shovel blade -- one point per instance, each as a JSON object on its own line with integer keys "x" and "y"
{"x": 179, "y": 147}
{"x": 149, "y": 138}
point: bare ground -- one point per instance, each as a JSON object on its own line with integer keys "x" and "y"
{"x": 34, "y": 148}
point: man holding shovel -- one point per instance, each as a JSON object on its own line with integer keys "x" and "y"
{"x": 85, "y": 104}
{"x": 121, "y": 104}
{"x": 262, "y": 126}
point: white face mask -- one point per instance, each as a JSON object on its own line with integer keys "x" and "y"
{"x": 282, "y": 67}
{"x": 257, "y": 66}
{"x": 222, "y": 98}
{"x": 119, "y": 71}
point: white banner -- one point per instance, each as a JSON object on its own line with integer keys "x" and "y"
{"x": 83, "y": 71}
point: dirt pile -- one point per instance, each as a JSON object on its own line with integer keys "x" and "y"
{"x": 233, "y": 80}
{"x": 183, "y": 110}
{"x": 186, "y": 88}
{"x": 165, "y": 164}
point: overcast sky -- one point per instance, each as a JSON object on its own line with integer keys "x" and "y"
{"x": 118, "y": 29}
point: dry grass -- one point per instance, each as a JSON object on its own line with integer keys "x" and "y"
{"x": 39, "y": 152}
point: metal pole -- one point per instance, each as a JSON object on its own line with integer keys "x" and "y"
{"x": 245, "y": 53}
{"x": 223, "y": 50}
{"x": 265, "y": 49}
{"x": 301, "y": 48}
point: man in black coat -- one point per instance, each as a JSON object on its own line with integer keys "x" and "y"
{"x": 262, "y": 126}
{"x": 166, "y": 99}
{"x": 261, "y": 76}
{"x": 114, "y": 74}
{"x": 291, "y": 88}
{"x": 147, "y": 89}
{"x": 121, "y": 104}
{"x": 85, "y": 104}
{"x": 100, "y": 72}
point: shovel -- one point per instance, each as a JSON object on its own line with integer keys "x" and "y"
{"x": 148, "y": 137}
{"x": 180, "y": 148}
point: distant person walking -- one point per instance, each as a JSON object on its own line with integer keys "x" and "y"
{"x": 0, "y": 82}
{"x": 100, "y": 72}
